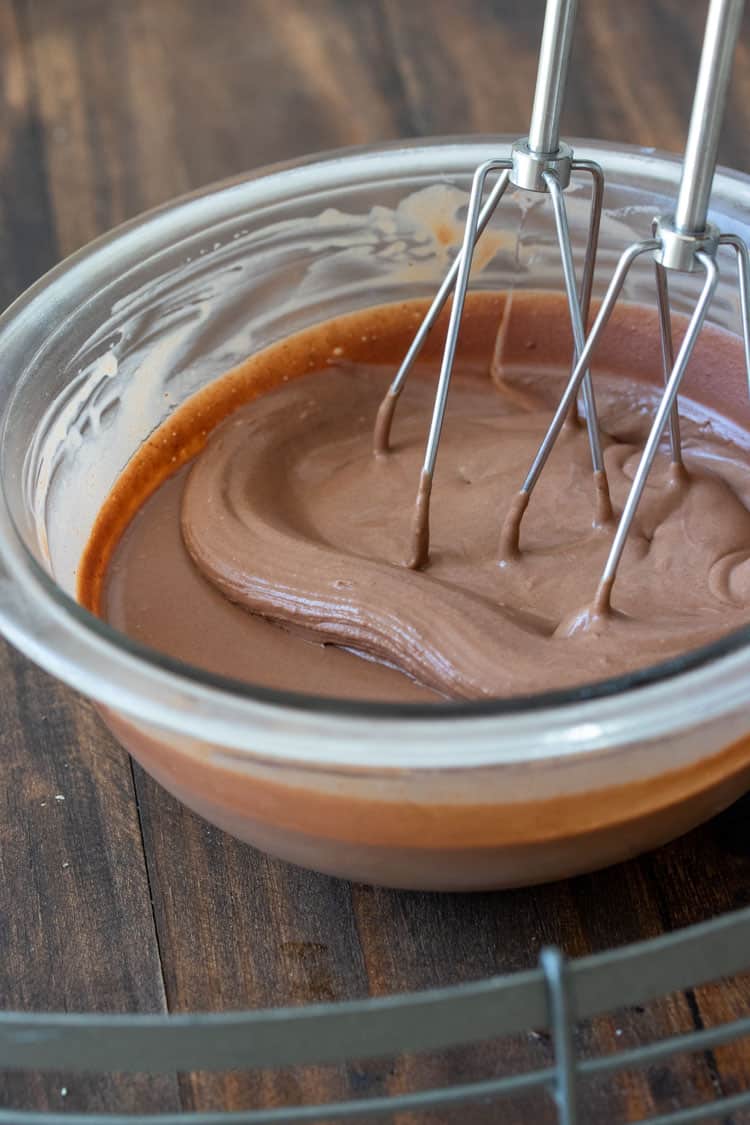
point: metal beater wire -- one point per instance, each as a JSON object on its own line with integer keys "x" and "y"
{"x": 684, "y": 242}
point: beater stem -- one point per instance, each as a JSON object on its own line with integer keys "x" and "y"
{"x": 604, "y": 590}
{"x": 552, "y": 71}
{"x": 709, "y": 101}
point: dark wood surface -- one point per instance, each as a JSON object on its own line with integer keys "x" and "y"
{"x": 114, "y": 897}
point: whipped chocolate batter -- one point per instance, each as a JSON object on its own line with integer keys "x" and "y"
{"x": 278, "y": 555}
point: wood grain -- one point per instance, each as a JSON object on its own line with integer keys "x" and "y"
{"x": 76, "y": 926}
{"x": 111, "y": 108}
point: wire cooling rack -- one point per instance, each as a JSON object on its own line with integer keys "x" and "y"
{"x": 556, "y": 995}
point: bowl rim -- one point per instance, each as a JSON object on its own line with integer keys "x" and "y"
{"x": 55, "y": 631}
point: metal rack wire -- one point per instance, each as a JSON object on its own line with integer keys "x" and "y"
{"x": 556, "y": 995}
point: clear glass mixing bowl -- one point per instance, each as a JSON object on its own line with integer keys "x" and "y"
{"x": 99, "y": 352}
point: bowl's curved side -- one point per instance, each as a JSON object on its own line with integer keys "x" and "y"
{"x": 430, "y": 832}
{"x": 84, "y": 313}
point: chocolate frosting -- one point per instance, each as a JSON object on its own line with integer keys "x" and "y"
{"x": 292, "y": 520}
{"x": 290, "y": 514}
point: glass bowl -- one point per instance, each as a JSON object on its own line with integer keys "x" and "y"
{"x": 449, "y": 796}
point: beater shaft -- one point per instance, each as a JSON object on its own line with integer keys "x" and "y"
{"x": 552, "y": 71}
{"x": 709, "y": 102}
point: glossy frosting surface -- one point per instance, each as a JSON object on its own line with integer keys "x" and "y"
{"x": 281, "y": 546}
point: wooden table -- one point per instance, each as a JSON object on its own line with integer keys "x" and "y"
{"x": 114, "y": 897}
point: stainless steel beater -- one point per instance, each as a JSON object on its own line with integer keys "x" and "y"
{"x": 540, "y": 162}
{"x": 683, "y": 242}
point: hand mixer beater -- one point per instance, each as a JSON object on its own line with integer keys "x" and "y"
{"x": 540, "y": 163}
{"x": 683, "y": 242}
